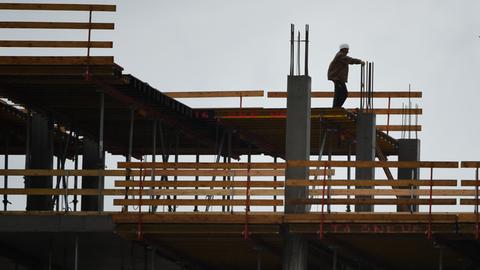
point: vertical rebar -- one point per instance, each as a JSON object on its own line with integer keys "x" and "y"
{"x": 298, "y": 53}
{"x": 229, "y": 160}
{"x": 330, "y": 150}
{"x": 372, "y": 86}
{"x": 362, "y": 85}
{"x": 130, "y": 148}
{"x": 409, "y": 110}
{"x": 307, "y": 29}
{"x": 292, "y": 48}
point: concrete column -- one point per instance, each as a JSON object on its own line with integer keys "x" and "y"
{"x": 366, "y": 143}
{"x": 295, "y": 253}
{"x": 408, "y": 150}
{"x": 297, "y": 137}
{"x": 41, "y": 157}
{"x": 92, "y": 160}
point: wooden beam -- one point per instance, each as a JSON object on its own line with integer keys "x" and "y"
{"x": 133, "y": 202}
{"x": 46, "y": 172}
{"x": 373, "y": 218}
{"x": 353, "y": 94}
{"x": 470, "y": 164}
{"x": 55, "y": 44}
{"x": 201, "y": 165}
{"x": 50, "y": 191}
{"x": 58, "y": 25}
{"x": 392, "y": 111}
{"x": 236, "y": 172}
{"x": 367, "y": 201}
{"x": 56, "y": 60}
{"x": 399, "y": 128}
{"x": 368, "y": 183}
{"x": 64, "y": 7}
{"x": 470, "y": 183}
{"x": 191, "y": 183}
{"x": 469, "y": 202}
{"x": 144, "y": 192}
{"x": 374, "y": 164}
{"x": 200, "y": 218}
{"x": 215, "y": 94}
{"x": 395, "y": 192}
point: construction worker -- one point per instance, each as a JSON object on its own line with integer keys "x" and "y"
{"x": 338, "y": 73}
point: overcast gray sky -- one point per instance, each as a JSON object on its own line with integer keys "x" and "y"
{"x": 232, "y": 45}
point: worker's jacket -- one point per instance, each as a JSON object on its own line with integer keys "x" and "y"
{"x": 338, "y": 69}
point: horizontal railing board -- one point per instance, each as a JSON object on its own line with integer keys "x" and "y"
{"x": 184, "y": 183}
{"x": 392, "y": 111}
{"x": 55, "y": 44}
{"x": 374, "y": 164}
{"x": 46, "y": 172}
{"x": 142, "y": 192}
{"x": 56, "y": 60}
{"x": 469, "y": 201}
{"x": 470, "y": 183}
{"x": 217, "y": 94}
{"x": 470, "y": 164}
{"x": 396, "y": 183}
{"x": 399, "y": 128}
{"x": 57, "y": 25}
{"x": 213, "y": 202}
{"x": 353, "y": 94}
{"x": 393, "y": 192}
{"x": 58, "y": 7}
{"x": 369, "y": 201}
{"x": 202, "y": 165}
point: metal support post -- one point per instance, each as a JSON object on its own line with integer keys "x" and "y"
{"x": 349, "y": 172}
{"x": 154, "y": 154}
{"x": 275, "y": 180}
{"x": 130, "y": 149}
{"x": 307, "y": 29}
{"x": 75, "y": 178}
{"x": 75, "y": 267}
{"x": 101, "y": 153}
{"x": 175, "y": 178}
{"x": 292, "y": 49}
{"x": 5, "y": 166}
{"x": 197, "y": 178}
{"x": 330, "y": 149}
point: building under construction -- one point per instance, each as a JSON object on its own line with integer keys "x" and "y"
{"x": 290, "y": 188}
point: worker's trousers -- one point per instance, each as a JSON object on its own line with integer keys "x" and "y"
{"x": 341, "y": 94}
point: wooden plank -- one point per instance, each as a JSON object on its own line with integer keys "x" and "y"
{"x": 392, "y": 111}
{"x": 58, "y": 25}
{"x": 368, "y": 183}
{"x": 367, "y": 201}
{"x": 46, "y": 172}
{"x": 144, "y": 192}
{"x": 215, "y": 94}
{"x": 372, "y": 217}
{"x": 55, "y": 44}
{"x": 64, "y": 7}
{"x": 51, "y": 191}
{"x": 236, "y": 172}
{"x": 374, "y": 164}
{"x": 352, "y": 94}
{"x": 469, "y": 201}
{"x": 192, "y": 183}
{"x": 133, "y": 202}
{"x": 399, "y": 128}
{"x": 200, "y": 218}
{"x": 470, "y": 164}
{"x": 201, "y": 165}
{"x": 56, "y": 60}
{"x": 470, "y": 183}
{"x": 394, "y": 192}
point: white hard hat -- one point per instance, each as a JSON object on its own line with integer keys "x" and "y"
{"x": 344, "y": 46}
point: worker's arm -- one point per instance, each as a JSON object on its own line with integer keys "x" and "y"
{"x": 350, "y": 60}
